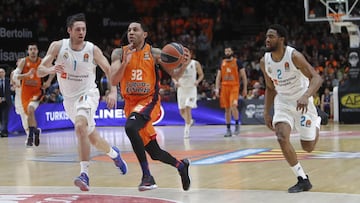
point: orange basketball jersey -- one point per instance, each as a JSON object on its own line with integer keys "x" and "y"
{"x": 31, "y": 87}
{"x": 140, "y": 89}
{"x": 229, "y": 72}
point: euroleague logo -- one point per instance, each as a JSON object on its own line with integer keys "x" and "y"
{"x": 160, "y": 116}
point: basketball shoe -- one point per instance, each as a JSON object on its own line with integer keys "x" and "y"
{"x": 184, "y": 173}
{"x": 186, "y": 132}
{"x": 301, "y": 185}
{"x": 82, "y": 182}
{"x": 29, "y": 142}
{"x": 37, "y": 134}
{"x": 119, "y": 162}
{"x": 147, "y": 183}
{"x": 228, "y": 133}
{"x": 237, "y": 130}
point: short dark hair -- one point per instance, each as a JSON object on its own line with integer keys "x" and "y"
{"x": 142, "y": 25}
{"x": 73, "y": 18}
{"x": 281, "y": 31}
{"x": 32, "y": 44}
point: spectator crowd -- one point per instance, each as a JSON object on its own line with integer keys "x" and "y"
{"x": 205, "y": 26}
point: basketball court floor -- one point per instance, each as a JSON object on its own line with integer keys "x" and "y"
{"x": 246, "y": 168}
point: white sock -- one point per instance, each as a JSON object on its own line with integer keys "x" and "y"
{"x": 299, "y": 171}
{"x": 112, "y": 154}
{"x": 84, "y": 167}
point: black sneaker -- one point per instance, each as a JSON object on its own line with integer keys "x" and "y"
{"x": 237, "y": 130}
{"x": 184, "y": 173}
{"x": 29, "y": 142}
{"x": 301, "y": 185}
{"x": 37, "y": 137}
{"x": 228, "y": 133}
{"x": 147, "y": 183}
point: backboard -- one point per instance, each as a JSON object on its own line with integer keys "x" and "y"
{"x": 339, "y": 10}
{"x": 338, "y": 13}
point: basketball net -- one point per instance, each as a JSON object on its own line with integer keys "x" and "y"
{"x": 335, "y": 20}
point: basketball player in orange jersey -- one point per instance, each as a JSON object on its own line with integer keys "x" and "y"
{"x": 135, "y": 67}
{"x": 32, "y": 88}
{"x": 228, "y": 84}
{"x": 75, "y": 68}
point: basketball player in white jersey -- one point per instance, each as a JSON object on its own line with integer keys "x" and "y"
{"x": 75, "y": 66}
{"x": 16, "y": 84}
{"x": 187, "y": 92}
{"x": 290, "y": 83}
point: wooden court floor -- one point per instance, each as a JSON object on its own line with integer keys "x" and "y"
{"x": 245, "y": 168}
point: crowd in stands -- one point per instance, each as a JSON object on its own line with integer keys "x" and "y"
{"x": 205, "y": 26}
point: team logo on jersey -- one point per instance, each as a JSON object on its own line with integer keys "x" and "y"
{"x": 308, "y": 123}
{"x": 146, "y": 56}
{"x": 287, "y": 67}
{"x": 86, "y": 57}
{"x": 269, "y": 70}
{"x": 66, "y": 55}
{"x": 63, "y": 75}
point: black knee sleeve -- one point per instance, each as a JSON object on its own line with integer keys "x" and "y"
{"x": 154, "y": 150}
{"x": 156, "y": 153}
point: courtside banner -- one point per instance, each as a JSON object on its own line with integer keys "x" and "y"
{"x": 53, "y": 116}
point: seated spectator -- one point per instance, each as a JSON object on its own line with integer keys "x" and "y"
{"x": 54, "y": 97}
{"x": 259, "y": 91}
{"x": 317, "y": 100}
{"x": 327, "y": 103}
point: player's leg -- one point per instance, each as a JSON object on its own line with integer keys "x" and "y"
{"x": 228, "y": 122}
{"x": 24, "y": 122}
{"x": 283, "y": 131}
{"x": 190, "y": 102}
{"x": 309, "y": 145}
{"x": 285, "y": 121}
{"x": 187, "y": 118}
{"x": 182, "y": 166}
{"x": 78, "y": 112}
{"x": 34, "y": 132}
{"x": 225, "y": 102}
{"x": 234, "y": 109}
{"x": 81, "y": 131}
{"x": 309, "y": 127}
{"x": 134, "y": 123}
{"x": 182, "y": 97}
{"x": 30, "y": 112}
{"x": 234, "y": 98}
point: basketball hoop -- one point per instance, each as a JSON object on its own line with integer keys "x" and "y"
{"x": 337, "y": 17}
{"x": 335, "y": 21}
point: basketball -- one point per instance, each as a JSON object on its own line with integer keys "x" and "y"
{"x": 172, "y": 55}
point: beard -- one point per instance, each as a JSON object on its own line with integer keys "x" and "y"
{"x": 271, "y": 48}
{"x": 228, "y": 56}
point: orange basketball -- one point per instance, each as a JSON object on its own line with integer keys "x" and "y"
{"x": 172, "y": 55}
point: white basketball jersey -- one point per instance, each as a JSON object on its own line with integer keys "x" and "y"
{"x": 80, "y": 69}
{"x": 289, "y": 81}
{"x": 189, "y": 77}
